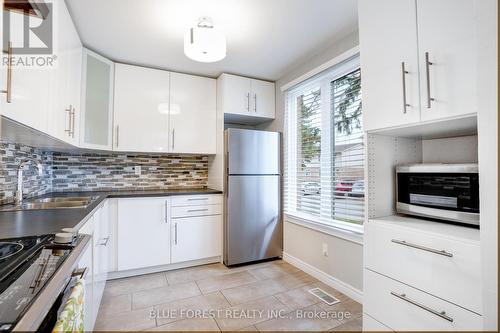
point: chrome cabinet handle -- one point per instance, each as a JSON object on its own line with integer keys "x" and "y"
{"x": 197, "y": 210}
{"x": 248, "y": 102}
{"x": 428, "y": 79}
{"x": 8, "y": 89}
{"x": 255, "y": 102}
{"x": 173, "y": 138}
{"x": 105, "y": 241}
{"x": 73, "y": 122}
{"x": 166, "y": 212}
{"x": 79, "y": 272}
{"x": 197, "y": 199}
{"x": 441, "y": 314}
{"x": 117, "y": 135}
{"x": 404, "y": 72}
{"x": 175, "y": 235}
{"x": 423, "y": 248}
{"x": 68, "y": 110}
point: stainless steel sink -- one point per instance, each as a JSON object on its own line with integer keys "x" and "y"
{"x": 63, "y": 199}
{"x": 51, "y": 203}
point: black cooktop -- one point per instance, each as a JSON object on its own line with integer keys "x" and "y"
{"x": 26, "y": 265}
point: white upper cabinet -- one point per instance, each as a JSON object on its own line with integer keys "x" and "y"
{"x": 29, "y": 88}
{"x": 264, "y": 97}
{"x": 435, "y": 42}
{"x": 234, "y": 94}
{"x": 193, "y": 124}
{"x": 64, "y": 109}
{"x": 446, "y": 39}
{"x": 388, "y": 41}
{"x": 245, "y": 100}
{"x": 141, "y": 109}
{"x": 159, "y": 111}
{"x": 96, "y": 119}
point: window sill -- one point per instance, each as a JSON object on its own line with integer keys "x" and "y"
{"x": 349, "y": 235}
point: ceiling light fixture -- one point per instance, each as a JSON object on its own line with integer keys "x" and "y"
{"x": 204, "y": 43}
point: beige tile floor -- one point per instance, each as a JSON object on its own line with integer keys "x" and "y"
{"x": 269, "y": 296}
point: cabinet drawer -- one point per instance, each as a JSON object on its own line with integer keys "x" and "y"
{"x": 196, "y": 211}
{"x": 370, "y": 324}
{"x": 196, "y": 200}
{"x": 404, "y": 308}
{"x": 416, "y": 258}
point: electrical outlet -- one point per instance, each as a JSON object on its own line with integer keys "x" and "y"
{"x": 137, "y": 170}
{"x": 325, "y": 249}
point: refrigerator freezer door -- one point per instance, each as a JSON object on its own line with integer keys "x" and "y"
{"x": 253, "y": 227}
{"x": 251, "y": 152}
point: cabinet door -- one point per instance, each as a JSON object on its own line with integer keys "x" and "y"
{"x": 87, "y": 260}
{"x": 193, "y": 114}
{"x": 65, "y": 88}
{"x": 388, "y": 38}
{"x": 86, "y": 263}
{"x": 263, "y": 99}
{"x": 196, "y": 238}
{"x": 96, "y": 102}
{"x": 141, "y": 109}
{"x": 30, "y": 85}
{"x": 99, "y": 261}
{"x": 235, "y": 94}
{"x": 143, "y": 233}
{"x": 446, "y": 36}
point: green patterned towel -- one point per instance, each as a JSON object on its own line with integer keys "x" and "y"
{"x": 71, "y": 318}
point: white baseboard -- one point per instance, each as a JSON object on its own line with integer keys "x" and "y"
{"x": 163, "y": 268}
{"x": 341, "y": 286}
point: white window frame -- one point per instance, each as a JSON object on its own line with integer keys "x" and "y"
{"x": 349, "y": 231}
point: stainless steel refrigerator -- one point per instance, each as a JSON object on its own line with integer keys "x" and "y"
{"x": 252, "y": 224}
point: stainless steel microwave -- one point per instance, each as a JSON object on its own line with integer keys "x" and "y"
{"x": 447, "y": 192}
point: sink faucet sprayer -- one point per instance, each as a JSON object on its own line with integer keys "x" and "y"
{"x": 24, "y": 165}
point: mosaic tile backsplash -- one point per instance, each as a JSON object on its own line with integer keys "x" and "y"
{"x": 62, "y": 172}
{"x": 11, "y": 155}
{"x": 97, "y": 172}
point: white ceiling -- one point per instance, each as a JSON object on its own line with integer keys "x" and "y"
{"x": 265, "y": 38}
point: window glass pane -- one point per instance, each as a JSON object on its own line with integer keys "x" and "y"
{"x": 324, "y": 148}
{"x": 348, "y": 198}
{"x": 309, "y": 143}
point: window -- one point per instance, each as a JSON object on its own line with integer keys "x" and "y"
{"x": 324, "y": 148}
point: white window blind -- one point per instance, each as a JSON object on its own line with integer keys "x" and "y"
{"x": 324, "y": 148}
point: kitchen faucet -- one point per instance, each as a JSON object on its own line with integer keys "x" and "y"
{"x": 24, "y": 165}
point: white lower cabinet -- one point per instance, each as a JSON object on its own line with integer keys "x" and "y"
{"x": 101, "y": 253}
{"x": 371, "y": 324}
{"x": 196, "y": 238}
{"x": 167, "y": 230}
{"x": 406, "y": 256}
{"x": 96, "y": 261}
{"x": 86, "y": 263}
{"x": 196, "y": 227}
{"x": 143, "y": 233}
{"x": 404, "y": 308}
{"x": 421, "y": 275}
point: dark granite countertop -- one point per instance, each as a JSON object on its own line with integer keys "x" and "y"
{"x": 48, "y": 221}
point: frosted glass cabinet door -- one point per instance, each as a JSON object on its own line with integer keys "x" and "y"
{"x": 97, "y": 101}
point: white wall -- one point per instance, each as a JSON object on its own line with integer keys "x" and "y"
{"x": 462, "y": 149}
{"x": 345, "y": 260}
